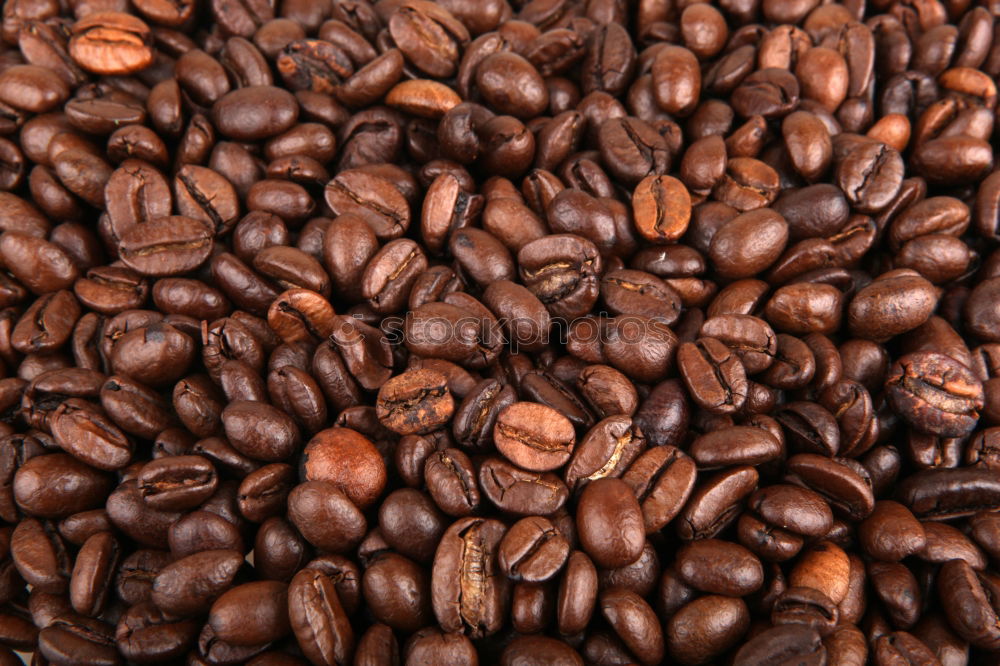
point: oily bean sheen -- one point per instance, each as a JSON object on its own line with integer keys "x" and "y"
{"x": 609, "y": 523}
{"x": 513, "y": 332}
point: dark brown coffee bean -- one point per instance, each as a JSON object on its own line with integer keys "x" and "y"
{"x": 92, "y": 573}
{"x": 449, "y": 475}
{"x": 607, "y": 450}
{"x": 177, "y": 482}
{"x": 520, "y": 492}
{"x": 82, "y": 431}
{"x": 325, "y": 516}
{"x": 719, "y": 567}
{"x": 35, "y": 482}
{"x": 260, "y": 431}
{"x": 468, "y": 594}
{"x": 706, "y": 627}
{"x": 609, "y": 522}
{"x": 244, "y": 115}
{"x": 532, "y": 550}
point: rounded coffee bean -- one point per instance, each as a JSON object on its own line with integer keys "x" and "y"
{"x": 661, "y": 206}
{"x": 705, "y": 628}
{"x": 255, "y": 112}
{"x": 532, "y": 550}
{"x": 347, "y": 459}
{"x": 252, "y": 613}
{"x": 634, "y": 621}
{"x": 609, "y": 523}
{"x": 935, "y": 393}
{"x": 415, "y": 402}
{"x": 260, "y": 431}
{"x": 177, "y": 482}
{"x": 533, "y": 436}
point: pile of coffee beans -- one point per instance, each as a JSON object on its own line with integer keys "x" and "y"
{"x": 512, "y": 332}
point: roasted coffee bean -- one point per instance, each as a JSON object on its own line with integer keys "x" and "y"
{"x": 415, "y": 402}
{"x": 36, "y": 490}
{"x": 325, "y": 516}
{"x": 264, "y": 492}
{"x": 82, "y": 431}
{"x": 662, "y": 208}
{"x": 467, "y": 593}
{"x": 719, "y": 567}
{"x": 166, "y": 246}
{"x": 93, "y": 572}
{"x": 706, "y": 627}
{"x": 736, "y": 445}
{"x": 562, "y": 271}
{"x": 891, "y": 305}
{"x": 251, "y": 614}
{"x": 255, "y": 112}
{"x": 533, "y": 436}
{"x": 111, "y": 43}
{"x": 521, "y": 492}
{"x": 476, "y": 415}
{"x": 935, "y": 393}
{"x": 607, "y": 450}
{"x": 607, "y": 391}
{"x": 532, "y": 550}
{"x": 940, "y": 494}
{"x": 792, "y": 508}
{"x": 348, "y": 459}
{"x": 609, "y": 522}
{"x": 805, "y": 606}
{"x": 965, "y": 594}
{"x": 781, "y": 644}
{"x": 260, "y": 431}
{"x": 713, "y": 374}
{"x": 177, "y": 482}
{"x": 40, "y": 556}
{"x": 716, "y": 503}
{"x": 449, "y": 475}
{"x": 146, "y": 632}
{"x": 73, "y": 637}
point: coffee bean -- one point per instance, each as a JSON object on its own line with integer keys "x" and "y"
{"x": 782, "y": 642}
{"x": 705, "y": 627}
{"x": 961, "y": 588}
{"x": 714, "y": 375}
{"x": 255, "y": 112}
{"x": 251, "y": 614}
{"x": 418, "y": 401}
{"x": 609, "y": 522}
{"x": 521, "y": 492}
{"x": 532, "y": 550}
{"x": 111, "y": 43}
{"x": 533, "y": 436}
{"x": 607, "y": 450}
{"x": 662, "y": 208}
{"x": 467, "y": 593}
{"x": 348, "y": 459}
{"x": 449, "y": 475}
{"x": 662, "y": 479}
{"x": 935, "y": 393}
